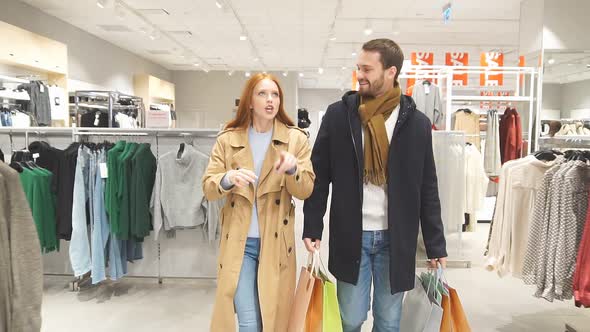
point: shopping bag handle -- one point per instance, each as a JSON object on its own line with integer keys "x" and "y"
{"x": 313, "y": 266}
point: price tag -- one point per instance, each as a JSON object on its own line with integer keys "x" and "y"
{"x": 427, "y": 89}
{"x": 104, "y": 171}
{"x": 35, "y": 155}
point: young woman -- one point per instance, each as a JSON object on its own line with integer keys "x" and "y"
{"x": 258, "y": 163}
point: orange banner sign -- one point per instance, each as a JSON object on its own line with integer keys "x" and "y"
{"x": 458, "y": 60}
{"x": 521, "y": 63}
{"x": 493, "y": 60}
{"x": 420, "y": 59}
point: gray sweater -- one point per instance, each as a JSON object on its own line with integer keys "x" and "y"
{"x": 177, "y": 198}
{"x": 21, "y": 272}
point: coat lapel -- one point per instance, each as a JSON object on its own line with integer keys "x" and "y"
{"x": 242, "y": 158}
{"x": 280, "y": 137}
{"x": 356, "y": 130}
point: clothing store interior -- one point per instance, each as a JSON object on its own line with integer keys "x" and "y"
{"x": 101, "y": 100}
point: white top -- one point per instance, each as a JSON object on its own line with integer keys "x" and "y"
{"x": 498, "y": 244}
{"x": 526, "y": 181}
{"x": 375, "y": 197}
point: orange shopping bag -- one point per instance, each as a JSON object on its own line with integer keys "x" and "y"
{"x": 303, "y": 294}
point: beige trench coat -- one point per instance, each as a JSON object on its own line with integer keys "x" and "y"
{"x": 276, "y": 217}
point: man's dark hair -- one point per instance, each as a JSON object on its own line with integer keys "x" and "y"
{"x": 390, "y": 53}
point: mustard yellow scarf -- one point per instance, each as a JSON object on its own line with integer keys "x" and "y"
{"x": 374, "y": 112}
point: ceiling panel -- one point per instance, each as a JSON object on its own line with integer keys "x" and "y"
{"x": 289, "y": 35}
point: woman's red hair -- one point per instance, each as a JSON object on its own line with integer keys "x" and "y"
{"x": 243, "y": 117}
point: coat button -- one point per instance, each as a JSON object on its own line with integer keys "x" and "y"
{"x": 285, "y": 222}
{"x": 297, "y": 178}
{"x": 278, "y": 201}
{"x": 290, "y": 249}
{"x": 221, "y": 266}
{"x": 232, "y": 204}
{"x": 276, "y": 235}
{"x": 227, "y": 236}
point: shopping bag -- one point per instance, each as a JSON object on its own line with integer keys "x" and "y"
{"x": 454, "y": 319}
{"x": 331, "y": 317}
{"x": 303, "y": 294}
{"x": 421, "y": 312}
{"x": 323, "y": 313}
{"x": 315, "y": 310}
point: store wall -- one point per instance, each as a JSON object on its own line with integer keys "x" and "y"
{"x": 563, "y": 25}
{"x": 551, "y": 109}
{"x": 316, "y": 101}
{"x": 87, "y": 55}
{"x": 206, "y": 100}
{"x": 530, "y": 28}
{"x": 576, "y": 100}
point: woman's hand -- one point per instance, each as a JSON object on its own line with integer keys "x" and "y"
{"x": 241, "y": 177}
{"x": 286, "y": 163}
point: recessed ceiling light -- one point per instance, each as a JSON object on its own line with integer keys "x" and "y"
{"x": 301, "y": 75}
{"x": 243, "y": 36}
{"x": 103, "y": 3}
{"x": 248, "y": 74}
{"x": 332, "y": 38}
{"x": 155, "y": 34}
{"x": 395, "y": 28}
{"x": 285, "y": 73}
{"x": 219, "y": 4}
{"x": 196, "y": 64}
{"x": 256, "y": 59}
{"x": 206, "y": 70}
{"x": 551, "y": 61}
{"x": 320, "y": 70}
{"x": 368, "y": 29}
{"x": 353, "y": 53}
{"x": 230, "y": 73}
{"x": 344, "y": 68}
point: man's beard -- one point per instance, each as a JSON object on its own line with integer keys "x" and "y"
{"x": 372, "y": 88}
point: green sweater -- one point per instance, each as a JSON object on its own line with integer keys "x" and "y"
{"x": 124, "y": 191}
{"x": 112, "y": 202}
{"x": 143, "y": 174}
{"x": 37, "y": 187}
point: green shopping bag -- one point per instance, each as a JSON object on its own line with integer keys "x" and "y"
{"x": 331, "y": 315}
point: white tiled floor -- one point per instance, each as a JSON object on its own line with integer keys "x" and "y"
{"x": 491, "y": 303}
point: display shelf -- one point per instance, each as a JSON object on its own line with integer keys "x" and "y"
{"x": 491, "y": 98}
{"x": 8, "y": 79}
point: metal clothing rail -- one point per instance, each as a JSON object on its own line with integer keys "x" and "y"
{"x": 77, "y": 133}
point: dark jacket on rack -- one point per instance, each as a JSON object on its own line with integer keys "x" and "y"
{"x": 412, "y": 191}
{"x": 39, "y": 106}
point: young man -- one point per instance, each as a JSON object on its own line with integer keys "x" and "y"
{"x": 375, "y": 149}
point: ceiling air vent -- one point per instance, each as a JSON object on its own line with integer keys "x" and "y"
{"x": 159, "y": 52}
{"x": 115, "y": 28}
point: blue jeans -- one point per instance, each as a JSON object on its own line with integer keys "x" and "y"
{"x": 354, "y": 300}
{"x": 246, "y": 297}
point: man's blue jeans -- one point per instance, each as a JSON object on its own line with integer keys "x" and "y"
{"x": 354, "y": 300}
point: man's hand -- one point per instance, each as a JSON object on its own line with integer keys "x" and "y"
{"x": 285, "y": 163}
{"x": 241, "y": 177}
{"x": 310, "y": 245}
{"x": 442, "y": 261}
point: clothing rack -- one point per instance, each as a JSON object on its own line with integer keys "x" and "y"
{"x": 78, "y": 134}
{"x": 565, "y": 142}
{"x": 458, "y": 262}
{"x": 109, "y": 97}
